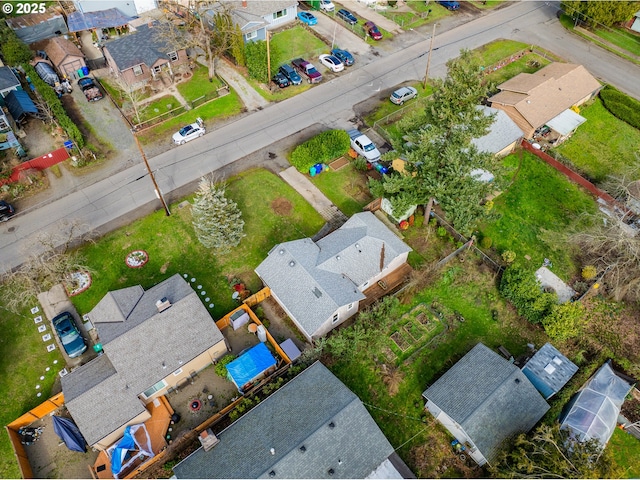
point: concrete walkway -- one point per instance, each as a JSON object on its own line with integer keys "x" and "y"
{"x": 361, "y": 10}
{"x": 252, "y": 100}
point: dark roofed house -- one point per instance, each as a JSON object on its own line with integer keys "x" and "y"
{"x": 34, "y": 27}
{"x": 8, "y": 81}
{"x": 143, "y": 56}
{"x": 484, "y": 400}
{"x": 320, "y": 284}
{"x": 152, "y": 340}
{"x": 549, "y": 370}
{"x": 312, "y": 427}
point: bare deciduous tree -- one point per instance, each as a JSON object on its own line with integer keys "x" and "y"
{"x": 133, "y": 95}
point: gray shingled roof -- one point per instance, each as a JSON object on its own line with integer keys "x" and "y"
{"x": 142, "y": 349}
{"x": 144, "y": 46}
{"x": 549, "y": 370}
{"x": 297, "y": 415}
{"x": 490, "y": 398}
{"x": 502, "y": 133}
{"x": 260, "y": 8}
{"x": 321, "y": 281}
{"x": 8, "y": 79}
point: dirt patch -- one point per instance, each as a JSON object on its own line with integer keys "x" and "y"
{"x": 281, "y": 206}
{"x": 69, "y": 104}
{"x": 163, "y": 268}
{"x": 338, "y": 164}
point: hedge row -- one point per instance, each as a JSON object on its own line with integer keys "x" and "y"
{"x": 322, "y": 148}
{"x": 621, "y": 106}
{"x": 50, "y": 97}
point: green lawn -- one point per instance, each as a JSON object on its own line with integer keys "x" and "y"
{"x": 539, "y": 199}
{"x": 530, "y": 63}
{"x": 273, "y": 93}
{"x": 626, "y": 452}
{"x": 387, "y": 108}
{"x": 199, "y": 85}
{"x": 603, "y": 145}
{"x": 293, "y": 43}
{"x": 158, "y": 107}
{"x": 346, "y": 188}
{"x": 623, "y": 39}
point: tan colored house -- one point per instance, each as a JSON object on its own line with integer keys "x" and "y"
{"x": 65, "y": 56}
{"x": 143, "y": 56}
{"x": 152, "y": 341}
{"x": 532, "y": 100}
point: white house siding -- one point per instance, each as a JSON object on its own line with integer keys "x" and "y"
{"x": 291, "y": 15}
{"x": 343, "y": 312}
{"x": 107, "y": 441}
{"x": 290, "y": 315}
{"x": 395, "y": 264}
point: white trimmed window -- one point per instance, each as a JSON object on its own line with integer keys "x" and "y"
{"x": 280, "y": 14}
{"x": 177, "y": 372}
{"x": 156, "y": 388}
{"x": 137, "y": 70}
{"x": 251, "y": 35}
{"x": 173, "y": 56}
{"x": 335, "y": 318}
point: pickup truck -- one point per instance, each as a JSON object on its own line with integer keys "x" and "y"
{"x": 364, "y": 146}
{"x": 90, "y": 89}
{"x": 308, "y": 70}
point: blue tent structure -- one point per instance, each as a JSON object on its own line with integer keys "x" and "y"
{"x": 69, "y": 433}
{"x": 20, "y": 104}
{"x": 110, "y": 18}
{"x": 129, "y": 448}
{"x": 250, "y": 366}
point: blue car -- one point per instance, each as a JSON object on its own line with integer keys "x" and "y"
{"x": 450, "y": 5}
{"x": 308, "y": 18}
{"x": 347, "y": 16}
{"x": 344, "y": 56}
{"x": 288, "y": 71}
{"x": 69, "y": 335}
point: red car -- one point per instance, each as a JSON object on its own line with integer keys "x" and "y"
{"x": 372, "y": 30}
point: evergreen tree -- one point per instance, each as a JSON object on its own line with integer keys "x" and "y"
{"x": 237, "y": 47}
{"x": 606, "y": 13}
{"x": 216, "y": 219}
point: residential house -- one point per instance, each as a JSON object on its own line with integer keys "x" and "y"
{"x": 143, "y": 56}
{"x": 548, "y": 370}
{"x": 35, "y": 27}
{"x": 484, "y": 400}
{"x": 634, "y": 22}
{"x": 131, "y": 8}
{"x": 503, "y": 135}
{"x": 255, "y": 18}
{"x": 320, "y": 284}
{"x": 545, "y": 98}
{"x": 152, "y": 341}
{"x": 593, "y": 412}
{"x": 312, "y": 427}
{"x": 8, "y": 81}
{"x": 65, "y": 56}
{"x": 7, "y": 137}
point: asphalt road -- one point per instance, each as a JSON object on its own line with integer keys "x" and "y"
{"x": 129, "y": 194}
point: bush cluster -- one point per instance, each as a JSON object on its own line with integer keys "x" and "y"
{"x": 520, "y": 287}
{"x": 621, "y": 106}
{"x": 320, "y": 149}
{"x": 221, "y": 366}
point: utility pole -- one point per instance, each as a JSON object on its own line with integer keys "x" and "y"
{"x": 268, "y": 59}
{"x": 153, "y": 178}
{"x": 426, "y": 73}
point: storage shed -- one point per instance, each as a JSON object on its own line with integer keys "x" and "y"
{"x": 548, "y": 370}
{"x": 254, "y": 364}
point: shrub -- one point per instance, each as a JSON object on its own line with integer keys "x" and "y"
{"x": 320, "y": 149}
{"x": 589, "y": 272}
{"x": 508, "y": 256}
{"x": 564, "y": 321}
{"x": 520, "y": 287}
{"x": 221, "y": 366}
{"x": 360, "y": 164}
{"x": 486, "y": 243}
{"x": 441, "y": 232}
{"x": 621, "y": 106}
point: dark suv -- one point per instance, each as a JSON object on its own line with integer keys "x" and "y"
{"x": 347, "y": 16}
{"x": 288, "y": 71}
{"x": 69, "y": 335}
{"x": 6, "y": 211}
{"x": 280, "y": 80}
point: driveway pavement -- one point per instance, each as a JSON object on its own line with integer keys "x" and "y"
{"x": 335, "y": 33}
{"x": 362, "y": 11}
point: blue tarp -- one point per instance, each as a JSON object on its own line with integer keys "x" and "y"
{"x": 110, "y": 18}
{"x": 19, "y": 104}
{"x": 69, "y": 433}
{"x": 127, "y": 443}
{"x": 250, "y": 365}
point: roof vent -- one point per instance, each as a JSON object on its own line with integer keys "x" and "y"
{"x": 331, "y": 471}
{"x": 557, "y": 360}
{"x": 163, "y": 304}
{"x": 208, "y": 440}
{"x": 337, "y": 257}
{"x": 332, "y": 425}
{"x": 316, "y": 291}
{"x": 281, "y": 251}
{"x": 292, "y": 263}
{"x": 517, "y": 381}
{"x": 273, "y": 451}
{"x": 303, "y": 448}
{"x": 272, "y": 473}
{"x": 549, "y": 369}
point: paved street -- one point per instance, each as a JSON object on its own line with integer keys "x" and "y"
{"x": 128, "y": 194}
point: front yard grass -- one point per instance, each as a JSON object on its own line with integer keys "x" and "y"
{"x": 387, "y": 108}
{"x": 199, "y": 85}
{"x": 158, "y": 107}
{"x": 539, "y": 199}
{"x": 293, "y": 43}
{"x": 623, "y": 39}
{"x": 603, "y": 145}
{"x": 346, "y": 188}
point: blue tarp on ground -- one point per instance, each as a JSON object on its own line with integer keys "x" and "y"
{"x": 110, "y": 18}
{"x": 69, "y": 433}
{"x": 20, "y": 104}
{"x": 250, "y": 365}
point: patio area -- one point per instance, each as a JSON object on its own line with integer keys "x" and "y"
{"x": 387, "y": 285}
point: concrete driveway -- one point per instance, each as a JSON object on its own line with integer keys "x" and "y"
{"x": 335, "y": 33}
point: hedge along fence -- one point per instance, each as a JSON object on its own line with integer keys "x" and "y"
{"x": 621, "y": 106}
{"x": 50, "y": 97}
{"x": 320, "y": 149}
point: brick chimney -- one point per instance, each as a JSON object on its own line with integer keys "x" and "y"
{"x": 244, "y": 3}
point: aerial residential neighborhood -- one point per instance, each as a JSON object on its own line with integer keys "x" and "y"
{"x": 320, "y": 239}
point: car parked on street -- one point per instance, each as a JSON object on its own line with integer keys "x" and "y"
{"x": 288, "y": 71}
{"x": 69, "y": 336}
{"x": 189, "y": 132}
{"x": 331, "y": 62}
{"x": 372, "y": 30}
{"x": 450, "y": 4}
{"x": 347, "y": 16}
{"x": 327, "y": 5}
{"x": 6, "y": 211}
{"x": 307, "y": 69}
{"x": 403, "y": 94}
{"x": 345, "y": 57}
{"x": 308, "y": 18}
{"x": 280, "y": 80}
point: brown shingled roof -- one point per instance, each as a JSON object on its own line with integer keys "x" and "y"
{"x": 58, "y": 49}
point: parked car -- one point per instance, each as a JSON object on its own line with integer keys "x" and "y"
{"x": 308, "y": 18}
{"x": 372, "y": 30}
{"x": 327, "y": 5}
{"x": 189, "y": 132}
{"x": 90, "y": 89}
{"x": 450, "y": 4}
{"x": 403, "y": 94}
{"x": 6, "y": 211}
{"x": 308, "y": 70}
{"x": 280, "y": 80}
{"x": 331, "y": 62}
{"x": 288, "y": 71}
{"x": 345, "y": 57}
{"x": 347, "y": 16}
{"x": 69, "y": 335}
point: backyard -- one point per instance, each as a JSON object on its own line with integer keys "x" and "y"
{"x": 293, "y": 43}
